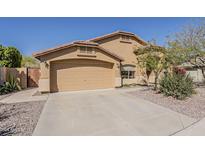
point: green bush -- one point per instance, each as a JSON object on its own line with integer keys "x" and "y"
{"x": 10, "y": 57}
{"x": 9, "y": 86}
{"x": 177, "y": 85}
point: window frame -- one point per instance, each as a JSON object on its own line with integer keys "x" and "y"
{"x": 82, "y": 49}
{"x": 87, "y": 50}
{"x": 128, "y": 75}
{"x": 125, "y": 38}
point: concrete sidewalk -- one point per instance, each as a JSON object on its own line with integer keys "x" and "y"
{"x": 197, "y": 129}
{"x": 111, "y": 112}
{"x": 24, "y": 96}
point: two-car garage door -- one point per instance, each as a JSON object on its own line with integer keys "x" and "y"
{"x": 79, "y": 74}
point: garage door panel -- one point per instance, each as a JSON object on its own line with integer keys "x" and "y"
{"x": 69, "y": 75}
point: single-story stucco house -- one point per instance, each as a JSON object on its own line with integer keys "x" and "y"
{"x": 104, "y": 62}
{"x": 194, "y": 72}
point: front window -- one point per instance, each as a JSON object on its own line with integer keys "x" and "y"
{"x": 128, "y": 71}
{"x": 128, "y": 74}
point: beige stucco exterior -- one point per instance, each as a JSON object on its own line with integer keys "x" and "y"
{"x": 20, "y": 74}
{"x": 64, "y": 57}
{"x": 125, "y": 49}
{"x": 103, "y": 65}
{"x": 81, "y": 74}
{"x": 195, "y": 74}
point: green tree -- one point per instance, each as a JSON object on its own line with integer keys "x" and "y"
{"x": 28, "y": 61}
{"x": 1, "y": 50}
{"x": 10, "y": 57}
{"x": 177, "y": 84}
{"x": 189, "y": 46}
{"x": 152, "y": 58}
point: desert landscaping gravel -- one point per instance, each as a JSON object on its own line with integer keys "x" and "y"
{"x": 193, "y": 107}
{"x": 20, "y": 118}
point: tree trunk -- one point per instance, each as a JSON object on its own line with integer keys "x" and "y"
{"x": 148, "y": 73}
{"x": 156, "y": 81}
{"x": 203, "y": 72}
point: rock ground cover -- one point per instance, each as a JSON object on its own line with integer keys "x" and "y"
{"x": 193, "y": 107}
{"x": 20, "y": 118}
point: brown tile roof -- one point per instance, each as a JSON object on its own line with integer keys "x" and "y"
{"x": 119, "y": 33}
{"x": 91, "y": 43}
{"x": 111, "y": 53}
{"x": 86, "y": 43}
{"x": 76, "y": 43}
{"x": 50, "y": 50}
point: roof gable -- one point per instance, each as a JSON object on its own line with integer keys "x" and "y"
{"x": 91, "y": 43}
{"x": 76, "y": 44}
{"x": 139, "y": 40}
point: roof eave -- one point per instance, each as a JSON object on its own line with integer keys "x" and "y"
{"x": 119, "y": 33}
{"x": 39, "y": 54}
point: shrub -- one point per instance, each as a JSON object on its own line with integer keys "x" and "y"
{"x": 179, "y": 70}
{"x": 10, "y": 57}
{"x": 9, "y": 86}
{"x": 177, "y": 85}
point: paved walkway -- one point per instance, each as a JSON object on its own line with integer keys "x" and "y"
{"x": 197, "y": 129}
{"x": 23, "y": 96}
{"x": 109, "y": 112}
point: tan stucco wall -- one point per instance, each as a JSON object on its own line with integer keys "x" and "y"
{"x": 19, "y": 74}
{"x": 2, "y": 75}
{"x": 72, "y": 53}
{"x": 122, "y": 48}
{"x": 125, "y": 50}
{"x": 44, "y": 80}
{"x": 196, "y": 75}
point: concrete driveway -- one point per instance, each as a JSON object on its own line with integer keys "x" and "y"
{"x": 26, "y": 95}
{"x": 107, "y": 112}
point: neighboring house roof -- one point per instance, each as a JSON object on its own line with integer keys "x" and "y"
{"x": 141, "y": 41}
{"x": 91, "y": 43}
{"x": 73, "y": 44}
{"x": 189, "y": 65}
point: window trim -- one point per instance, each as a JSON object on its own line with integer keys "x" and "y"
{"x": 86, "y": 50}
{"x": 130, "y": 69}
{"x": 125, "y": 39}
{"x": 129, "y": 74}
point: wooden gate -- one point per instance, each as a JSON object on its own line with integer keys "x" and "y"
{"x": 33, "y": 77}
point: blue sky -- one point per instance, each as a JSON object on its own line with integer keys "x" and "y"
{"x": 33, "y": 34}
